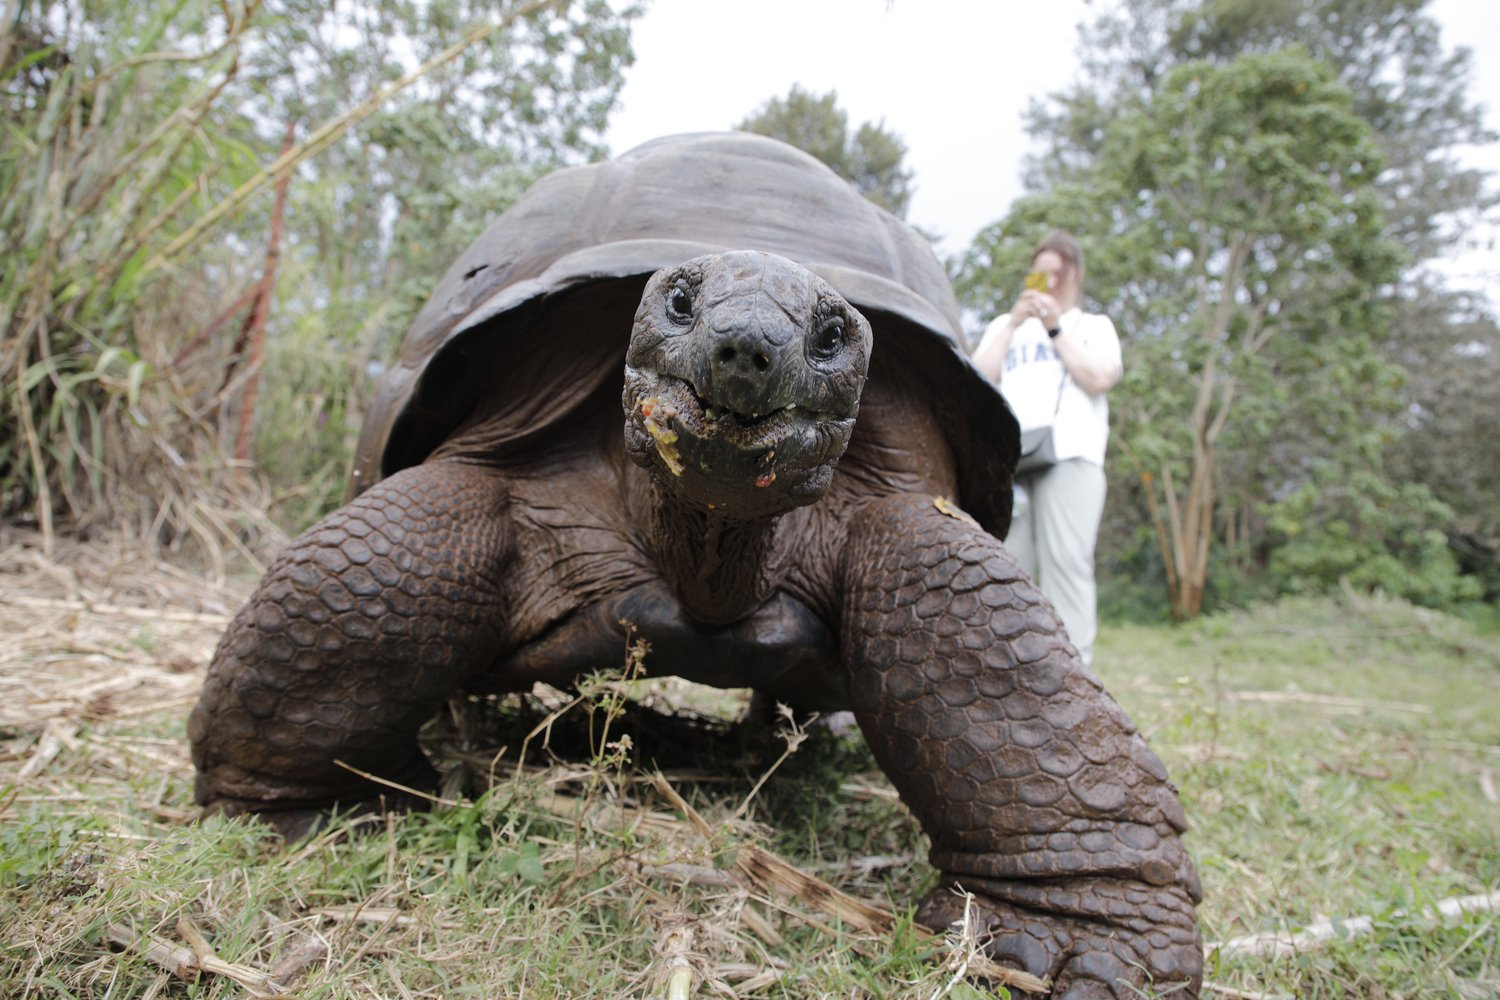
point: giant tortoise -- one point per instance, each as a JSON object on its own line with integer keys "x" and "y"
{"x": 807, "y": 500}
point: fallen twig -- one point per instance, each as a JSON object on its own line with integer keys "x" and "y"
{"x": 863, "y": 791}
{"x": 676, "y": 945}
{"x": 765, "y": 871}
{"x": 407, "y": 789}
{"x": 57, "y": 735}
{"x": 758, "y": 925}
{"x": 101, "y": 608}
{"x": 177, "y": 960}
{"x": 691, "y": 874}
{"x": 365, "y": 915}
{"x": 1234, "y": 994}
{"x": 868, "y": 864}
{"x": 190, "y": 962}
{"x": 1279, "y": 944}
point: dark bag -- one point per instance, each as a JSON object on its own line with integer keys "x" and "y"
{"x": 1038, "y": 450}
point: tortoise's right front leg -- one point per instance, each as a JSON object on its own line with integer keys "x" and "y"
{"x": 1039, "y": 796}
{"x": 355, "y": 636}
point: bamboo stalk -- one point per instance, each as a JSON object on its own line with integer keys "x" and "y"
{"x": 190, "y": 962}
{"x": 328, "y": 133}
{"x": 256, "y": 333}
{"x": 7, "y": 32}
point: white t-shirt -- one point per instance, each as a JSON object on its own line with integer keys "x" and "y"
{"x": 1032, "y": 373}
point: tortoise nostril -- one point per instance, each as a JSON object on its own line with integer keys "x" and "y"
{"x": 726, "y": 354}
{"x": 762, "y": 363}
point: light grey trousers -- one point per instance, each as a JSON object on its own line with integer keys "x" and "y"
{"x": 1052, "y": 533}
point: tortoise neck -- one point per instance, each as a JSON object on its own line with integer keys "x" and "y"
{"x": 720, "y": 569}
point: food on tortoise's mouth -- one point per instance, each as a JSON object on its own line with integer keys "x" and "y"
{"x": 722, "y": 458}
{"x": 657, "y": 415}
{"x": 677, "y": 405}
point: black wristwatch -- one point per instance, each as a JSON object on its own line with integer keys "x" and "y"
{"x": 1054, "y": 332}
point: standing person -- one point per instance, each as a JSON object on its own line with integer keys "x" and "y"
{"x": 1054, "y": 363}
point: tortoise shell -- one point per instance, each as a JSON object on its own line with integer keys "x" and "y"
{"x": 664, "y": 202}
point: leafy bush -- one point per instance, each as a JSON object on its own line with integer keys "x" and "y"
{"x": 1372, "y": 534}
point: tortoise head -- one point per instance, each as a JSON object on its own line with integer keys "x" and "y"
{"x": 742, "y": 383}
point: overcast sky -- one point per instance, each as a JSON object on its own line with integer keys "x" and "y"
{"x": 951, "y": 77}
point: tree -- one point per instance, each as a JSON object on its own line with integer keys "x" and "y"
{"x": 380, "y": 215}
{"x": 138, "y": 136}
{"x": 1389, "y": 53}
{"x": 1411, "y": 92}
{"x": 870, "y": 159}
{"x": 1448, "y": 444}
{"x": 1211, "y": 211}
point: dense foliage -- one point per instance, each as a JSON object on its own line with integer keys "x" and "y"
{"x": 146, "y": 257}
{"x": 1261, "y": 189}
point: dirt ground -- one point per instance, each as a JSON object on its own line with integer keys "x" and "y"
{"x": 98, "y": 631}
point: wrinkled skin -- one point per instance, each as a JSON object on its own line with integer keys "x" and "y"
{"x": 821, "y": 581}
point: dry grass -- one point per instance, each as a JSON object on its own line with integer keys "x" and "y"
{"x": 101, "y": 631}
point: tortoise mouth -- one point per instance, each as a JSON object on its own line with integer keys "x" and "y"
{"x": 748, "y": 431}
{"x": 725, "y": 455}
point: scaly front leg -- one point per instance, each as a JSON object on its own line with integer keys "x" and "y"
{"x": 355, "y": 636}
{"x": 1038, "y": 794}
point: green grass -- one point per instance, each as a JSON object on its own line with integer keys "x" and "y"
{"x": 1333, "y": 758}
{"x": 1334, "y": 761}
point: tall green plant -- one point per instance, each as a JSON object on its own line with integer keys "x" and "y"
{"x": 138, "y": 142}
{"x": 113, "y": 126}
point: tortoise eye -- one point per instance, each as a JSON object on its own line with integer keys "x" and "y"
{"x": 679, "y": 306}
{"x": 826, "y": 343}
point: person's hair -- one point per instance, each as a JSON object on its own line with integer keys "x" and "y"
{"x": 1065, "y": 245}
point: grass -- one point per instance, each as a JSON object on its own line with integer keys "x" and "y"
{"x": 1337, "y": 758}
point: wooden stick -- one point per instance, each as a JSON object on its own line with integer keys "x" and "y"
{"x": 115, "y": 610}
{"x": 255, "y": 325}
{"x": 758, "y": 925}
{"x": 58, "y": 734}
{"x": 177, "y": 960}
{"x": 691, "y": 874}
{"x": 371, "y": 915}
{"x": 1279, "y": 944}
{"x": 764, "y": 870}
{"x": 416, "y": 793}
{"x": 189, "y": 963}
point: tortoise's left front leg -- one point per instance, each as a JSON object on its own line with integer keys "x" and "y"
{"x": 1039, "y": 796}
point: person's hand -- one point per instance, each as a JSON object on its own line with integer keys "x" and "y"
{"x": 1038, "y": 305}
